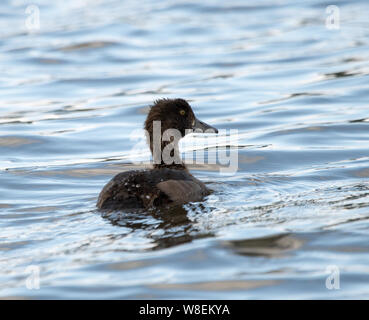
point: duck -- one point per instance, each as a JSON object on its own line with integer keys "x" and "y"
{"x": 168, "y": 182}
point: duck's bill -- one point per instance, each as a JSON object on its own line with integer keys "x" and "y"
{"x": 203, "y": 127}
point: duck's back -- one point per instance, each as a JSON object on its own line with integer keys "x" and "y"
{"x": 150, "y": 188}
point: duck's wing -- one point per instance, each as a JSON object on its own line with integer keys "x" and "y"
{"x": 182, "y": 191}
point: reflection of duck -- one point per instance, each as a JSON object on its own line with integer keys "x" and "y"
{"x": 169, "y": 182}
{"x": 163, "y": 228}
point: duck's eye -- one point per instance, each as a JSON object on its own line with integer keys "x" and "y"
{"x": 182, "y": 112}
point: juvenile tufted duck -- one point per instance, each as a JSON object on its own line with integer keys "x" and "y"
{"x": 169, "y": 182}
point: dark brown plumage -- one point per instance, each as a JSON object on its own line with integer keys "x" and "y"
{"x": 167, "y": 183}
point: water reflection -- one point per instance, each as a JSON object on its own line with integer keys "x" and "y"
{"x": 165, "y": 228}
{"x": 273, "y": 246}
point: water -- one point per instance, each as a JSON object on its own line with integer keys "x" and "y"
{"x": 73, "y": 92}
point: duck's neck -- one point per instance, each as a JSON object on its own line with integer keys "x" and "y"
{"x": 167, "y": 155}
{"x": 174, "y": 166}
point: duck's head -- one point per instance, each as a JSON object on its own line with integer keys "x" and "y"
{"x": 175, "y": 114}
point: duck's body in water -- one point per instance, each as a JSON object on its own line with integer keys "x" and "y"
{"x": 169, "y": 182}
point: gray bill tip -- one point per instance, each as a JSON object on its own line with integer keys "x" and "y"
{"x": 204, "y": 127}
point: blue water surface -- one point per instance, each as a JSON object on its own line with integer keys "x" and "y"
{"x": 74, "y": 92}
